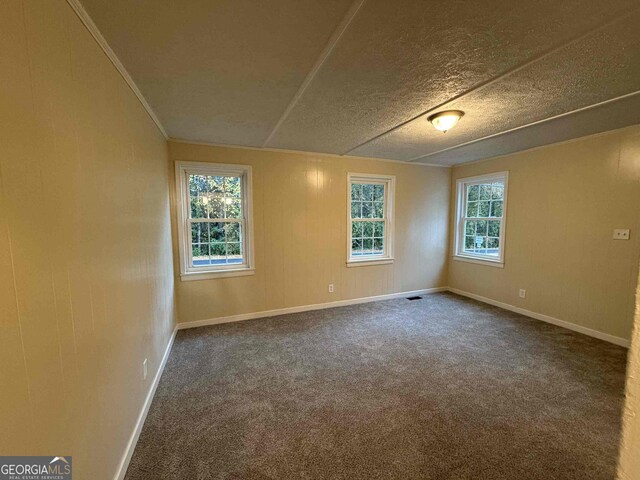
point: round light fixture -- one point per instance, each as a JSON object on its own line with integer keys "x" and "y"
{"x": 446, "y": 120}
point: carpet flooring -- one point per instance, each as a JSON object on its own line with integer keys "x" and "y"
{"x": 438, "y": 388}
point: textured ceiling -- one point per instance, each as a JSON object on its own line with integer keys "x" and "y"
{"x": 359, "y": 78}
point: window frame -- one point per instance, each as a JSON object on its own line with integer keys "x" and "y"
{"x": 182, "y": 172}
{"x": 462, "y": 184}
{"x": 389, "y": 198}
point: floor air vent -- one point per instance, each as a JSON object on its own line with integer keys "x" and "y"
{"x": 414, "y": 298}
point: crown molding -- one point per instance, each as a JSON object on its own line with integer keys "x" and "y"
{"x": 95, "y": 32}
{"x": 301, "y": 152}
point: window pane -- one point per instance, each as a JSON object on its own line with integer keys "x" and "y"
{"x": 356, "y": 229}
{"x": 483, "y": 209}
{"x": 485, "y": 192}
{"x": 232, "y": 186}
{"x": 378, "y": 209}
{"x": 216, "y": 184}
{"x": 199, "y": 184}
{"x": 367, "y": 246}
{"x": 356, "y": 191}
{"x": 378, "y": 229}
{"x": 378, "y": 193}
{"x": 233, "y": 251}
{"x": 215, "y": 207}
{"x": 218, "y": 253}
{"x": 480, "y": 242}
{"x": 356, "y": 210}
{"x": 210, "y": 195}
{"x": 367, "y": 229}
{"x": 481, "y": 227}
{"x": 497, "y": 191}
{"x": 496, "y": 208}
{"x": 232, "y": 232}
{"x": 202, "y": 184}
{"x": 233, "y": 207}
{"x": 469, "y": 242}
{"x": 493, "y": 246}
{"x": 200, "y": 232}
{"x": 378, "y": 246}
{"x": 216, "y": 232}
{"x": 472, "y": 192}
{"x": 477, "y": 244}
{"x": 200, "y": 254}
{"x": 367, "y": 192}
{"x": 494, "y": 228}
{"x": 356, "y": 246}
{"x": 199, "y": 206}
{"x": 470, "y": 227}
{"x": 367, "y": 209}
{"x": 472, "y": 209}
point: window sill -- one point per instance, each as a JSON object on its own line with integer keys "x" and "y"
{"x": 479, "y": 261}
{"x": 240, "y": 272}
{"x": 369, "y": 262}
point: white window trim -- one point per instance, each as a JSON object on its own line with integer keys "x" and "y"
{"x": 187, "y": 272}
{"x": 389, "y": 181}
{"x": 461, "y": 188}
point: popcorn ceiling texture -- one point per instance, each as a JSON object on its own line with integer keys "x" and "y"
{"x": 438, "y": 388}
{"x": 226, "y": 72}
{"x": 565, "y": 80}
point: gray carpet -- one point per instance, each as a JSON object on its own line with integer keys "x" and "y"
{"x": 438, "y": 388}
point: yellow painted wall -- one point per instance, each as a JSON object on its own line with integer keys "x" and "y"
{"x": 86, "y": 276}
{"x": 629, "y": 466}
{"x": 300, "y": 224}
{"x": 564, "y": 202}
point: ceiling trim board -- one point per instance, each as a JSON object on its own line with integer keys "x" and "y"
{"x": 480, "y": 86}
{"x": 521, "y": 127}
{"x": 300, "y": 152}
{"x": 102, "y": 42}
{"x": 548, "y": 145}
{"x": 331, "y": 44}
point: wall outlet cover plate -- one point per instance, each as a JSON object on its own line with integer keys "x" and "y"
{"x": 621, "y": 234}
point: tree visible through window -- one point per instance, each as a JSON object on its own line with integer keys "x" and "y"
{"x": 481, "y": 205}
{"x": 216, "y": 219}
{"x": 370, "y": 216}
{"x": 214, "y": 202}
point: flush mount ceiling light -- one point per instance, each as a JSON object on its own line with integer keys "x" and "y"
{"x": 446, "y": 120}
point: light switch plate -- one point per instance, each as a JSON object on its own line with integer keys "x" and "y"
{"x": 621, "y": 234}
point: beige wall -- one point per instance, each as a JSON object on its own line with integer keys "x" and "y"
{"x": 564, "y": 202}
{"x": 629, "y": 466}
{"x": 299, "y": 203}
{"x": 86, "y": 279}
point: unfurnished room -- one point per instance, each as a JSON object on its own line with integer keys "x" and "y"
{"x": 319, "y": 239}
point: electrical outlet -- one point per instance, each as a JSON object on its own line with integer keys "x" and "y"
{"x": 144, "y": 369}
{"x": 331, "y": 288}
{"x": 522, "y": 293}
{"x": 621, "y": 234}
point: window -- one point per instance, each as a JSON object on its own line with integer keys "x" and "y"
{"x": 480, "y": 218}
{"x": 214, "y": 208}
{"x": 370, "y": 214}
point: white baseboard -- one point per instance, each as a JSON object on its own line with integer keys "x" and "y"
{"x": 133, "y": 440}
{"x": 546, "y": 318}
{"x": 305, "y": 308}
